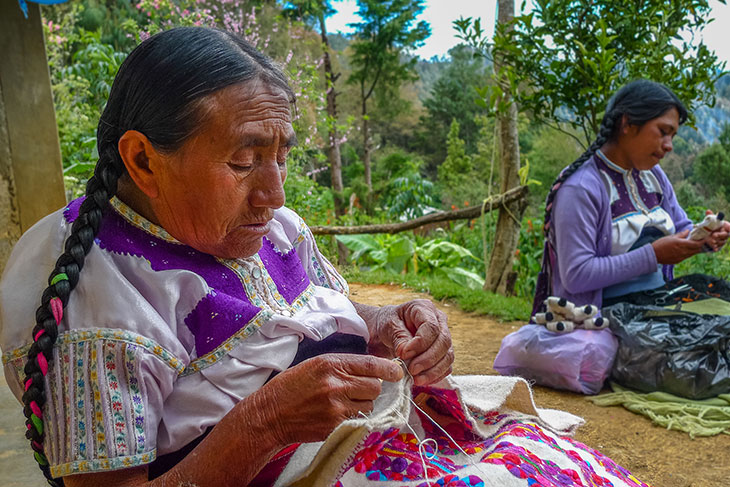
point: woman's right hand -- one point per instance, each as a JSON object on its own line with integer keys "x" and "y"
{"x": 308, "y": 401}
{"x": 673, "y": 249}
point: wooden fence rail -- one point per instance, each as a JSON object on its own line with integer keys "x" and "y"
{"x": 441, "y": 216}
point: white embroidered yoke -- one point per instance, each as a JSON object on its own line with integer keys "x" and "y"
{"x": 158, "y": 341}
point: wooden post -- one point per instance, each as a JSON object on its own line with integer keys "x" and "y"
{"x": 31, "y": 175}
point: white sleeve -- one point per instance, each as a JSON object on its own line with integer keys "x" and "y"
{"x": 105, "y": 391}
{"x": 319, "y": 270}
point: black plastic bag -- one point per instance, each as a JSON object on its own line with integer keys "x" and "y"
{"x": 685, "y": 354}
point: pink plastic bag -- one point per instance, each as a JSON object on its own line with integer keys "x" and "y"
{"x": 578, "y": 361}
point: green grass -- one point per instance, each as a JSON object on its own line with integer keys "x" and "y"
{"x": 502, "y": 308}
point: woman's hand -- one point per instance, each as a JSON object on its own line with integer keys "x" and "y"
{"x": 717, "y": 239}
{"x": 308, "y": 401}
{"x": 673, "y": 249}
{"x": 417, "y": 333}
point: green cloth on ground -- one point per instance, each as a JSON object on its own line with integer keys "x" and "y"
{"x": 709, "y": 306}
{"x": 706, "y": 417}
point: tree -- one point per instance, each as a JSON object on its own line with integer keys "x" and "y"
{"x": 452, "y": 98}
{"x": 711, "y": 169}
{"x": 456, "y": 170}
{"x": 384, "y": 35}
{"x": 314, "y": 12}
{"x": 500, "y": 277}
{"x": 565, "y": 58}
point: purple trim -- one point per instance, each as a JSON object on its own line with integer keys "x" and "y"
{"x": 651, "y": 200}
{"x": 285, "y": 269}
{"x": 71, "y": 213}
{"x": 623, "y": 205}
{"x": 227, "y": 308}
{"x": 121, "y": 237}
{"x": 216, "y": 318}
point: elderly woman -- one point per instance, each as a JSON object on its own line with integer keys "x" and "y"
{"x": 191, "y": 333}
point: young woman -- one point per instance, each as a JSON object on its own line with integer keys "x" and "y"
{"x": 612, "y": 221}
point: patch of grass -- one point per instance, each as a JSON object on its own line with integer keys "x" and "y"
{"x": 503, "y": 308}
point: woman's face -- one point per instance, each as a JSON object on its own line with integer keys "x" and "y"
{"x": 645, "y": 145}
{"x": 218, "y": 192}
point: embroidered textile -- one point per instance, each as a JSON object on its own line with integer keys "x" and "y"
{"x": 160, "y": 341}
{"x": 445, "y": 437}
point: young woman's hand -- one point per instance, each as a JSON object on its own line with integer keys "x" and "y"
{"x": 673, "y": 249}
{"x": 717, "y": 239}
{"x": 306, "y": 402}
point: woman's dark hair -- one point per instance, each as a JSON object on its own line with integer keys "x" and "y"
{"x": 157, "y": 91}
{"x": 640, "y": 101}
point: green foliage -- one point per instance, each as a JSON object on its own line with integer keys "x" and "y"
{"x": 96, "y": 63}
{"x": 566, "y": 58}
{"x": 452, "y": 98}
{"x": 712, "y": 167}
{"x": 413, "y": 197}
{"x": 385, "y": 33}
{"x": 454, "y": 172}
{"x": 528, "y": 257}
{"x": 442, "y": 288}
{"x": 403, "y": 252}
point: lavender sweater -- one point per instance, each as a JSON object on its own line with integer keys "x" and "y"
{"x": 583, "y": 264}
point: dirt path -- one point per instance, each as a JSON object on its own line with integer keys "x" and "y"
{"x": 655, "y": 455}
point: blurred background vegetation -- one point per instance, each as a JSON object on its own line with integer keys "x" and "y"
{"x": 426, "y": 129}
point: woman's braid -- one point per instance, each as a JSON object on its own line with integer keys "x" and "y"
{"x": 604, "y": 135}
{"x": 63, "y": 279}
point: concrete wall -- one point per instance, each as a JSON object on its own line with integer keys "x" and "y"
{"x": 31, "y": 178}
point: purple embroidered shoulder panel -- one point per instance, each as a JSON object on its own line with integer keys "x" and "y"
{"x": 226, "y": 309}
{"x": 624, "y": 205}
{"x": 285, "y": 269}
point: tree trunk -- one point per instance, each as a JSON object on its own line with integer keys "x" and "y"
{"x": 500, "y": 277}
{"x": 366, "y": 143}
{"x": 333, "y": 148}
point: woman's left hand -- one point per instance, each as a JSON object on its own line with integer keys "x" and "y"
{"x": 717, "y": 239}
{"x": 416, "y": 332}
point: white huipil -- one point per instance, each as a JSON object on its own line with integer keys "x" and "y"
{"x": 158, "y": 341}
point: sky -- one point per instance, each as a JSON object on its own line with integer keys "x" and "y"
{"x": 441, "y": 13}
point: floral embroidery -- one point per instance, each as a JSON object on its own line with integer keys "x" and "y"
{"x": 244, "y": 275}
{"x": 67, "y": 391}
{"x": 80, "y": 395}
{"x": 301, "y": 232}
{"x": 393, "y": 455}
{"x": 120, "y": 426}
{"x": 140, "y": 222}
{"x": 137, "y": 406}
{"x": 212, "y": 357}
{"x": 103, "y": 464}
{"x": 93, "y": 334}
{"x": 99, "y": 428}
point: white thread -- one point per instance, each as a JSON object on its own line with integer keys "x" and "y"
{"x": 420, "y": 445}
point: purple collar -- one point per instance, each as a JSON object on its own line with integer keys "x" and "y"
{"x": 227, "y": 308}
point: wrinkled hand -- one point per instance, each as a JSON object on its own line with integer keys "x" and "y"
{"x": 306, "y": 402}
{"x": 673, "y": 249}
{"x": 717, "y": 239}
{"x": 416, "y": 332}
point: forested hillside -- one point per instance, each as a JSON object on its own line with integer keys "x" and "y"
{"x": 383, "y": 135}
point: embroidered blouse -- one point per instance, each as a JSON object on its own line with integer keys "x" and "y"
{"x": 159, "y": 341}
{"x": 637, "y": 219}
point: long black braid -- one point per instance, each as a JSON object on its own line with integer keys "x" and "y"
{"x": 157, "y": 92}
{"x": 639, "y": 102}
